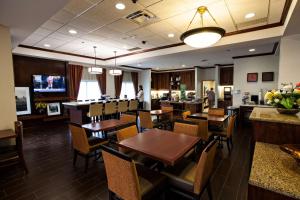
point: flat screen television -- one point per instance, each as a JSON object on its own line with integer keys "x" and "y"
{"x": 48, "y": 83}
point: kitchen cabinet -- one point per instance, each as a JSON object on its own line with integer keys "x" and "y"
{"x": 226, "y": 76}
{"x": 188, "y": 78}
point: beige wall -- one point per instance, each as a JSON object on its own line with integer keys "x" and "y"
{"x": 7, "y": 94}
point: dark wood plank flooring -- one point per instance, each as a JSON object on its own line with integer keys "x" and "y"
{"x": 51, "y": 175}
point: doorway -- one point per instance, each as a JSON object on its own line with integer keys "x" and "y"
{"x": 206, "y": 86}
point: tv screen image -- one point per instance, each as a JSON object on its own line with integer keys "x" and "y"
{"x": 48, "y": 83}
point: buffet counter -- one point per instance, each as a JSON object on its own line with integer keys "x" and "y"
{"x": 180, "y": 106}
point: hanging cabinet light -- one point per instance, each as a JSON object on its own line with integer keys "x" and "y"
{"x": 115, "y": 71}
{"x": 94, "y": 69}
{"x": 203, "y": 36}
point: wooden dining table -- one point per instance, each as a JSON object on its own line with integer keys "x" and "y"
{"x": 105, "y": 125}
{"x": 7, "y": 134}
{"x": 212, "y": 118}
{"x": 159, "y": 113}
{"x": 164, "y": 146}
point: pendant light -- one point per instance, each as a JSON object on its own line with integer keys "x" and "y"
{"x": 203, "y": 36}
{"x": 94, "y": 69}
{"x": 115, "y": 71}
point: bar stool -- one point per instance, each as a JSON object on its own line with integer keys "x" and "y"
{"x": 109, "y": 109}
{"x": 133, "y": 105}
{"x": 122, "y": 107}
{"x": 95, "y": 111}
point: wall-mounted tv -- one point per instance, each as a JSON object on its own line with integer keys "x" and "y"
{"x": 48, "y": 83}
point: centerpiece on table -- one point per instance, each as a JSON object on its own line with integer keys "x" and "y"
{"x": 41, "y": 107}
{"x": 286, "y": 99}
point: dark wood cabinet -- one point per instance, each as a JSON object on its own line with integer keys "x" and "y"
{"x": 224, "y": 103}
{"x": 161, "y": 81}
{"x": 226, "y": 76}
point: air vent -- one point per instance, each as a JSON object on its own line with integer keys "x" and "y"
{"x": 252, "y": 23}
{"x": 134, "y": 49}
{"x": 142, "y": 17}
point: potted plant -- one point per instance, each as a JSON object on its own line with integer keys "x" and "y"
{"x": 40, "y": 107}
{"x": 286, "y": 99}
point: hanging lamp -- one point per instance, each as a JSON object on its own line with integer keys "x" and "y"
{"x": 203, "y": 36}
{"x": 94, "y": 69}
{"x": 115, "y": 71}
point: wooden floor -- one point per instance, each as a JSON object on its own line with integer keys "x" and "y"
{"x": 51, "y": 174}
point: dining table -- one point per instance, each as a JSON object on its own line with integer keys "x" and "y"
{"x": 211, "y": 118}
{"x": 161, "y": 145}
{"x": 7, "y": 134}
{"x": 159, "y": 113}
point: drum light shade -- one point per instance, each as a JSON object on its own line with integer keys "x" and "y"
{"x": 115, "y": 72}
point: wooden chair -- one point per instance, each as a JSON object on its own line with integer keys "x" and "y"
{"x": 167, "y": 119}
{"x": 203, "y": 131}
{"x": 126, "y": 180}
{"x": 13, "y": 154}
{"x": 146, "y": 121}
{"x": 185, "y": 114}
{"x": 82, "y": 145}
{"x": 128, "y": 118}
{"x": 190, "y": 179}
{"x": 226, "y": 134}
{"x": 133, "y": 105}
{"x": 122, "y": 107}
{"x": 110, "y": 109}
{"x": 217, "y": 112}
{"x": 95, "y": 111}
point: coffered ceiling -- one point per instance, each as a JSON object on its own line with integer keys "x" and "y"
{"x": 99, "y": 23}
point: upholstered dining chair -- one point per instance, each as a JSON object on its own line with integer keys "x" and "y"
{"x": 133, "y": 105}
{"x": 185, "y": 114}
{"x": 84, "y": 146}
{"x": 13, "y": 154}
{"x": 167, "y": 119}
{"x": 95, "y": 111}
{"x": 226, "y": 133}
{"x": 129, "y": 181}
{"x": 128, "y": 117}
{"x": 203, "y": 132}
{"x": 146, "y": 121}
{"x": 190, "y": 179}
{"x": 217, "y": 112}
{"x": 122, "y": 107}
{"x": 110, "y": 109}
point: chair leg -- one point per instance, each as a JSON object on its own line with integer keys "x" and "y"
{"x": 86, "y": 163}
{"x": 228, "y": 145}
{"x": 110, "y": 195}
{"x": 23, "y": 163}
{"x": 74, "y": 158}
{"x": 231, "y": 142}
{"x": 209, "y": 191}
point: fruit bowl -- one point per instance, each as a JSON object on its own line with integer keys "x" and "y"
{"x": 288, "y": 111}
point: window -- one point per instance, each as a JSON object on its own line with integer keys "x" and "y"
{"x": 127, "y": 87}
{"x": 89, "y": 90}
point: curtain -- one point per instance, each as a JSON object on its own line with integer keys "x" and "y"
{"x": 75, "y": 74}
{"x": 101, "y": 78}
{"x": 118, "y": 85}
{"x": 135, "y": 80}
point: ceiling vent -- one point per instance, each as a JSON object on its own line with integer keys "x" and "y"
{"x": 134, "y": 49}
{"x": 142, "y": 17}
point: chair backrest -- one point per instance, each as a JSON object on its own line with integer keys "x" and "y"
{"x": 202, "y": 127}
{"x": 230, "y": 127}
{"x": 145, "y": 119}
{"x": 79, "y": 138}
{"x": 110, "y": 108}
{"x": 19, "y": 136}
{"x": 127, "y": 132}
{"x": 167, "y": 108}
{"x": 128, "y": 118}
{"x": 133, "y": 105}
{"x": 186, "y": 127}
{"x": 185, "y": 114}
{"x": 204, "y": 167}
{"x": 122, "y": 178}
{"x": 122, "y": 106}
{"x": 96, "y": 109}
{"x": 216, "y": 111}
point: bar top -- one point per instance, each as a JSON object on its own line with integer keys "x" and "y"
{"x": 272, "y": 115}
{"x": 275, "y": 170}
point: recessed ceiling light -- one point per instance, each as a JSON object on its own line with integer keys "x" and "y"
{"x": 47, "y": 45}
{"x": 249, "y": 15}
{"x": 72, "y": 31}
{"x": 124, "y": 47}
{"x": 183, "y": 65}
{"x": 120, "y": 6}
{"x": 251, "y": 50}
{"x": 171, "y": 35}
{"x": 139, "y": 64}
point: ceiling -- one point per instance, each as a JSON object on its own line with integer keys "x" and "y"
{"x": 99, "y": 23}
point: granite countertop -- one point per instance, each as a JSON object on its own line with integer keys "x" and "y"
{"x": 275, "y": 170}
{"x": 272, "y": 115}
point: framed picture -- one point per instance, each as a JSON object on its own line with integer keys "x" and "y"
{"x": 53, "y": 109}
{"x": 252, "y": 77}
{"x": 267, "y": 76}
{"x": 22, "y": 96}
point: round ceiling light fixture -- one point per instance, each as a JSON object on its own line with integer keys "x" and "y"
{"x": 120, "y": 6}
{"x": 115, "y": 71}
{"x": 251, "y": 50}
{"x": 171, "y": 35}
{"x": 204, "y": 36}
{"x": 72, "y": 31}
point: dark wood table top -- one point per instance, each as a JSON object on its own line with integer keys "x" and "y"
{"x": 214, "y": 118}
{"x": 160, "y": 112}
{"x": 162, "y": 145}
{"x": 105, "y": 125}
{"x": 7, "y": 134}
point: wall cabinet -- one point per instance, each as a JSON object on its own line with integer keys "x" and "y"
{"x": 226, "y": 76}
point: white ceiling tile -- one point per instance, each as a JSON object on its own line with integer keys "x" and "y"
{"x": 52, "y": 25}
{"x": 77, "y": 6}
{"x": 63, "y": 16}
{"x": 63, "y": 37}
{"x": 42, "y": 32}
{"x": 276, "y": 9}
{"x": 32, "y": 39}
{"x": 53, "y": 42}
{"x": 123, "y": 25}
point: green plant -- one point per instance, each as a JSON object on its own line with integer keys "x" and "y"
{"x": 40, "y": 105}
